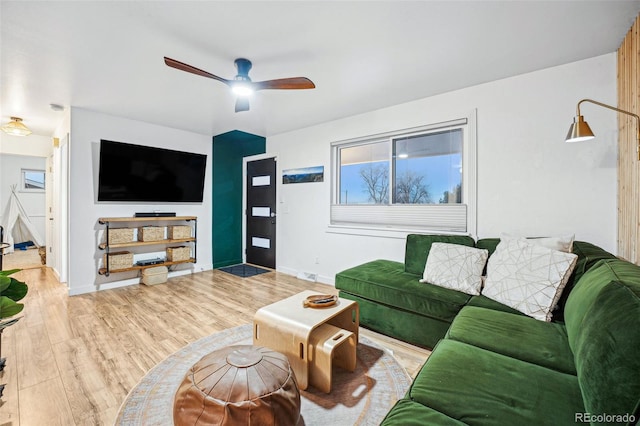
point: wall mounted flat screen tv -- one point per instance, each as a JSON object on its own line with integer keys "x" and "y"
{"x": 137, "y": 173}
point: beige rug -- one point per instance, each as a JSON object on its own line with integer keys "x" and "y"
{"x": 362, "y": 397}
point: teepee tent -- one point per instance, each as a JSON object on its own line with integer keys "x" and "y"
{"x": 16, "y": 224}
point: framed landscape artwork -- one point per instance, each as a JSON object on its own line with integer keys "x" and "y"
{"x": 303, "y": 175}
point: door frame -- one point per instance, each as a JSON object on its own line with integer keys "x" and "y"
{"x": 246, "y": 160}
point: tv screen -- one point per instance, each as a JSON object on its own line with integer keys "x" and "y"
{"x": 139, "y": 173}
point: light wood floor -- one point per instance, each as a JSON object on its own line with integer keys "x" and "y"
{"x": 72, "y": 360}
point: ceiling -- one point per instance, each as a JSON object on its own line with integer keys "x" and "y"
{"x": 362, "y": 55}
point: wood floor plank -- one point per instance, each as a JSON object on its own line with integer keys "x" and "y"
{"x": 84, "y": 384}
{"x": 90, "y": 350}
{"x": 45, "y": 404}
{"x": 9, "y": 409}
{"x": 34, "y": 357}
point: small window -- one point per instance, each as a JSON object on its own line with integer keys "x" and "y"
{"x": 33, "y": 180}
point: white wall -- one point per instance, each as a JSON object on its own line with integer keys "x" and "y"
{"x": 87, "y": 128}
{"x": 529, "y": 181}
{"x": 32, "y": 145}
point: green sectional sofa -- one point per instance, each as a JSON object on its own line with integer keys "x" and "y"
{"x": 492, "y": 365}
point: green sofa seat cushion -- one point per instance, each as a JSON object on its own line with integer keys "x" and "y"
{"x": 386, "y": 282}
{"x": 409, "y": 413}
{"x": 516, "y": 336}
{"x": 411, "y": 327}
{"x": 417, "y": 249}
{"x": 480, "y": 387}
{"x": 603, "y": 326}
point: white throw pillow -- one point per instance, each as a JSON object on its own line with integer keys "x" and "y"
{"x": 528, "y": 277}
{"x": 456, "y": 267}
{"x": 563, "y": 243}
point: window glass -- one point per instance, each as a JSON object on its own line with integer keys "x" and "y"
{"x": 428, "y": 168}
{"x": 364, "y": 174}
{"x": 33, "y": 180}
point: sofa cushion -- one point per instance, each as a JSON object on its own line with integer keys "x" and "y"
{"x": 417, "y": 249}
{"x": 480, "y": 387}
{"x": 412, "y": 327}
{"x": 516, "y": 336}
{"x": 484, "y": 302}
{"x": 456, "y": 267}
{"x": 489, "y": 244}
{"x": 588, "y": 256}
{"x": 602, "y": 317}
{"x": 385, "y": 281}
{"x": 410, "y": 413}
{"x": 528, "y": 277}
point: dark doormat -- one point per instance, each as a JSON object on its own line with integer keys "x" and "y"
{"x": 244, "y": 270}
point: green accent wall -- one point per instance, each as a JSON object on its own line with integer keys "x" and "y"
{"x": 228, "y": 151}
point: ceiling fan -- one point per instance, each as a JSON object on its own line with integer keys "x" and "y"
{"x": 242, "y": 84}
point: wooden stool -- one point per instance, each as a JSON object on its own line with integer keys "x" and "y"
{"x": 329, "y": 343}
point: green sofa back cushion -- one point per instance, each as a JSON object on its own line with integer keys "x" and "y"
{"x": 488, "y": 244}
{"x": 602, "y": 317}
{"x": 418, "y": 246}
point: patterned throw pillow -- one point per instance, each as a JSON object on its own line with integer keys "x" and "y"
{"x": 528, "y": 277}
{"x": 456, "y": 267}
{"x": 563, "y": 243}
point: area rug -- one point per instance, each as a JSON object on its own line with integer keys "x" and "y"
{"x": 244, "y": 270}
{"x": 362, "y": 397}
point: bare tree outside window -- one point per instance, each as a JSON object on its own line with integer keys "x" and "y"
{"x": 376, "y": 182}
{"x": 410, "y": 189}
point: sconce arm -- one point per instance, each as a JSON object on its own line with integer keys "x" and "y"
{"x": 619, "y": 110}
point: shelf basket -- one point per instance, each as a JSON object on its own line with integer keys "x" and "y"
{"x": 119, "y": 260}
{"x": 120, "y": 235}
{"x": 150, "y": 233}
{"x": 155, "y": 275}
{"x": 177, "y": 254}
{"x": 176, "y": 232}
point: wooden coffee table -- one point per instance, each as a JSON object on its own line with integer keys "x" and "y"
{"x": 312, "y": 338}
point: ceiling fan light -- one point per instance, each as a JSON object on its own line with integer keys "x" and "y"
{"x": 16, "y": 128}
{"x": 579, "y": 131}
{"x": 242, "y": 89}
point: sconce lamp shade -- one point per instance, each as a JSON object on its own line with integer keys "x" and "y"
{"x": 16, "y": 128}
{"x": 579, "y": 131}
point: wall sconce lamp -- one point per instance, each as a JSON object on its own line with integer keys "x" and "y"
{"x": 580, "y": 130}
{"x": 16, "y": 128}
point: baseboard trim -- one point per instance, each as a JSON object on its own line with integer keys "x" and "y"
{"x": 319, "y": 278}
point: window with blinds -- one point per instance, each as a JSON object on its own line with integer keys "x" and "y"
{"x": 414, "y": 179}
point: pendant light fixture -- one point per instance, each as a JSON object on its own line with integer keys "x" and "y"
{"x": 16, "y": 128}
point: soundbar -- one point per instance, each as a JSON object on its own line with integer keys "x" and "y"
{"x": 155, "y": 214}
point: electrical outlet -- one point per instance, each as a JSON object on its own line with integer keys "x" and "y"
{"x": 317, "y": 260}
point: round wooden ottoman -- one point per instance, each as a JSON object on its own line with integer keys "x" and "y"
{"x": 238, "y": 385}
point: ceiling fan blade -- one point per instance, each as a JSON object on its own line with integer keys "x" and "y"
{"x": 285, "y": 83}
{"x": 242, "y": 104}
{"x": 193, "y": 70}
